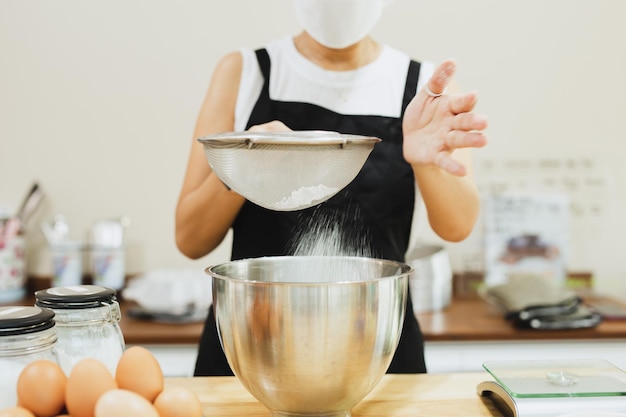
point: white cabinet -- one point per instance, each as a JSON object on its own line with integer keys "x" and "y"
{"x": 445, "y": 357}
{"x": 175, "y": 360}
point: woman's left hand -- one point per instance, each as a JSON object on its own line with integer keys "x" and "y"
{"x": 434, "y": 127}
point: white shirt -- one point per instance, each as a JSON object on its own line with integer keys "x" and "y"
{"x": 374, "y": 89}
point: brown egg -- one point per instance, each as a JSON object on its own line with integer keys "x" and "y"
{"x": 88, "y": 380}
{"x": 121, "y": 402}
{"x": 140, "y": 372}
{"x": 16, "y": 412}
{"x": 41, "y": 388}
{"x": 178, "y": 402}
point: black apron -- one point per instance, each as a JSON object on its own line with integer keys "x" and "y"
{"x": 378, "y": 204}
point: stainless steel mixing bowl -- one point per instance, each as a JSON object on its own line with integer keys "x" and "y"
{"x": 310, "y": 335}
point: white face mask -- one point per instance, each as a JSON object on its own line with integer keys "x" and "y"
{"x": 338, "y": 23}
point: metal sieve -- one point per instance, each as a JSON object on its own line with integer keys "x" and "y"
{"x": 287, "y": 170}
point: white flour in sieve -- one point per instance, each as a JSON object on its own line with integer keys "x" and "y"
{"x": 305, "y": 196}
{"x": 336, "y": 236}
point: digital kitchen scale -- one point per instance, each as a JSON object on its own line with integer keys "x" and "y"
{"x": 555, "y": 388}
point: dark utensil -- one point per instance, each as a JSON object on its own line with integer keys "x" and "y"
{"x": 31, "y": 202}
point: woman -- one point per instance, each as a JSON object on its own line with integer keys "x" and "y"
{"x": 333, "y": 76}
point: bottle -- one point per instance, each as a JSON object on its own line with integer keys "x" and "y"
{"x": 87, "y": 320}
{"x": 12, "y": 264}
{"x": 27, "y": 334}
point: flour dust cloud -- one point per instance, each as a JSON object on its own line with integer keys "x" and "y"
{"x": 337, "y": 237}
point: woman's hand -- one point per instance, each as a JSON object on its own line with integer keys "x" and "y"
{"x": 434, "y": 127}
{"x": 273, "y": 126}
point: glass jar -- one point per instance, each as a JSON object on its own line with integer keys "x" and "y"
{"x": 87, "y": 320}
{"x": 12, "y": 269}
{"x": 27, "y": 334}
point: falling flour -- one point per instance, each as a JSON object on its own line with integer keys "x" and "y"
{"x": 306, "y": 197}
{"x": 336, "y": 236}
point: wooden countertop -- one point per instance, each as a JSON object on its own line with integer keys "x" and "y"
{"x": 146, "y": 332}
{"x": 476, "y": 320}
{"x": 463, "y": 320}
{"x": 424, "y": 395}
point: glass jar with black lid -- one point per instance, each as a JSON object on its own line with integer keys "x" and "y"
{"x": 87, "y": 320}
{"x": 27, "y": 334}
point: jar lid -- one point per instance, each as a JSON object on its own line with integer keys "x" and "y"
{"x": 75, "y": 297}
{"x": 24, "y": 319}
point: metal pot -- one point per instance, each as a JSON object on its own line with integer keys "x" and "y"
{"x": 430, "y": 282}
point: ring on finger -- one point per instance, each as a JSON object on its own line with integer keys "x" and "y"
{"x": 429, "y": 92}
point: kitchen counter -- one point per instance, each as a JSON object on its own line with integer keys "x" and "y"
{"x": 459, "y": 338}
{"x": 468, "y": 319}
{"x": 470, "y": 331}
{"x": 463, "y": 320}
{"x": 146, "y": 332}
{"x": 424, "y": 395}
{"x": 475, "y": 320}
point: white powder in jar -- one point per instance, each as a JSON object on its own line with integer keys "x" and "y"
{"x": 306, "y": 196}
{"x": 10, "y": 370}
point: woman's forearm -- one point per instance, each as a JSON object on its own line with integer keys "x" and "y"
{"x": 203, "y": 217}
{"x": 452, "y": 202}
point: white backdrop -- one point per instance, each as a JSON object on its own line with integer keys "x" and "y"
{"x": 98, "y": 102}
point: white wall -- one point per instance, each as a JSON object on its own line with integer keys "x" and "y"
{"x": 98, "y": 101}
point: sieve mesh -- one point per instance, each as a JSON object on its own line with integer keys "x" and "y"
{"x": 287, "y": 170}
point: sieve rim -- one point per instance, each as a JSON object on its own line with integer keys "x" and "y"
{"x": 302, "y": 137}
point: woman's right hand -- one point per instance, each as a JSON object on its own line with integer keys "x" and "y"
{"x": 435, "y": 126}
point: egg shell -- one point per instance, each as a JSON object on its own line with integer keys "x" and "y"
{"x": 16, "y": 412}
{"x": 121, "y": 402}
{"x": 139, "y": 371}
{"x": 178, "y": 402}
{"x": 88, "y": 381}
{"x": 41, "y": 388}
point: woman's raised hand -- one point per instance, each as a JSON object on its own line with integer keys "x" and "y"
{"x": 437, "y": 123}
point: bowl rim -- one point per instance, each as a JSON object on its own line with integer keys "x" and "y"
{"x": 404, "y": 270}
